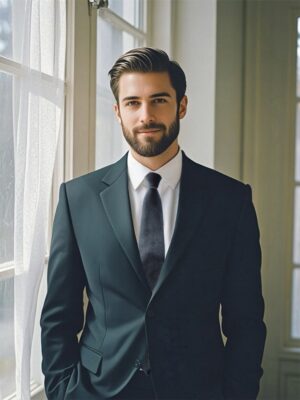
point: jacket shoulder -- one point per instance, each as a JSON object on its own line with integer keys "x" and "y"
{"x": 97, "y": 180}
{"x": 92, "y": 176}
{"x": 215, "y": 178}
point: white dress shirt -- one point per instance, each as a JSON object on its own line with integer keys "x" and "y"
{"x": 168, "y": 189}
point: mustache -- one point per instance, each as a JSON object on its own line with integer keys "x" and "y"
{"x": 148, "y": 127}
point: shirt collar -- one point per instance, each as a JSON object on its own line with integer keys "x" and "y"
{"x": 170, "y": 172}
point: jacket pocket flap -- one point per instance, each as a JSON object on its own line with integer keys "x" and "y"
{"x": 90, "y": 358}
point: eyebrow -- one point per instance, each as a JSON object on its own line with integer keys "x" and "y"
{"x": 160, "y": 94}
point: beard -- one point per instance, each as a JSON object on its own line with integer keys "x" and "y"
{"x": 151, "y": 146}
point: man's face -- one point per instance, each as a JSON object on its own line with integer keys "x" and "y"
{"x": 148, "y": 111}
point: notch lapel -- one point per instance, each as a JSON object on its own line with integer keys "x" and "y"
{"x": 116, "y": 203}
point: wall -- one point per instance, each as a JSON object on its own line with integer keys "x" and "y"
{"x": 229, "y": 87}
{"x": 190, "y": 38}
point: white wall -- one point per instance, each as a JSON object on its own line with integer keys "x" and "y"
{"x": 195, "y": 49}
{"x": 189, "y": 37}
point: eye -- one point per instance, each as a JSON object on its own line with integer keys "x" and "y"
{"x": 159, "y": 100}
{"x": 132, "y": 103}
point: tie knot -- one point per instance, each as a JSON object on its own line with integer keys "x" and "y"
{"x": 153, "y": 180}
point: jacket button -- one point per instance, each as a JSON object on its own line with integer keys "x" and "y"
{"x": 151, "y": 313}
{"x": 137, "y": 363}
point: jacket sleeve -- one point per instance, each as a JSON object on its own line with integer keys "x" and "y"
{"x": 62, "y": 313}
{"x": 243, "y": 308}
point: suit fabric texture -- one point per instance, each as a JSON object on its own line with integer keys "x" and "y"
{"x": 214, "y": 260}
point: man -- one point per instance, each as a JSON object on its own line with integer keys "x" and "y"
{"x": 160, "y": 243}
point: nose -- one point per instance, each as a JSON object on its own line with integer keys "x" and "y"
{"x": 146, "y": 114}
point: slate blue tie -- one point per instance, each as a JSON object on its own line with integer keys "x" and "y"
{"x": 151, "y": 241}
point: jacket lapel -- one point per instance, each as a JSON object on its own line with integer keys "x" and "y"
{"x": 193, "y": 202}
{"x": 116, "y": 203}
{"x": 194, "y": 196}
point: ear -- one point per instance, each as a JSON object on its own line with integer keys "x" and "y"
{"x": 117, "y": 112}
{"x": 183, "y": 106}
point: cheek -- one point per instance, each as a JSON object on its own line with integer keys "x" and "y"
{"x": 129, "y": 119}
{"x": 168, "y": 116}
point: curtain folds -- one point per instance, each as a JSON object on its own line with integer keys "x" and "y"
{"x": 38, "y": 107}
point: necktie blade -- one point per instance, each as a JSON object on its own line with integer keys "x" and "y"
{"x": 151, "y": 241}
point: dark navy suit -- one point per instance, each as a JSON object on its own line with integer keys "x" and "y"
{"x": 214, "y": 260}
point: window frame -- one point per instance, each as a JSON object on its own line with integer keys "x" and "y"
{"x": 13, "y": 68}
{"x": 122, "y": 24}
{"x": 291, "y": 345}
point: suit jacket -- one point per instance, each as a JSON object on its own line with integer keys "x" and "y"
{"x": 213, "y": 261}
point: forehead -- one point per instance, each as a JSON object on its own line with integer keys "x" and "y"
{"x": 144, "y": 84}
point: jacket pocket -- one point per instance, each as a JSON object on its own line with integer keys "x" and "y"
{"x": 90, "y": 358}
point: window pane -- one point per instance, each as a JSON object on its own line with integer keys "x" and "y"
{"x": 296, "y": 257}
{"x": 296, "y": 304}
{"x": 6, "y": 170}
{"x": 130, "y": 10}
{"x": 7, "y": 358}
{"x": 111, "y": 43}
{"x": 12, "y": 29}
{"x": 5, "y": 28}
{"x": 297, "y": 144}
{"x": 298, "y": 58}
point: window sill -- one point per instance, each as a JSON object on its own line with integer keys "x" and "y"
{"x": 7, "y": 270}
{"x": 36, "y": 392}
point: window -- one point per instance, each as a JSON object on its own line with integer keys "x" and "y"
{"x": 32, "y": 47}
{"x": 295, "y": 326}
{"x": 119, "y": 28}
{"x": 6, "y": 169}
{"x": 7, "y": 365}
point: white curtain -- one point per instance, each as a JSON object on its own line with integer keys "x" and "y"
{"x": 39, "y": 45}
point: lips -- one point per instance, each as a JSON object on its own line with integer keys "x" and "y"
{"x": 149, "y": 131}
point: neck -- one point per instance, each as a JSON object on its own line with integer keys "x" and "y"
{"x": 156, "y": 162}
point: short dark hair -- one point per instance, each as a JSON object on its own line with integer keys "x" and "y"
{"x": 147, "y": 59}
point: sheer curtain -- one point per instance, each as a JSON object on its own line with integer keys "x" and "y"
{"x": 38, "y": 121}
